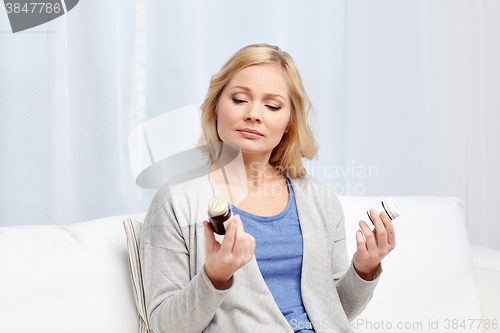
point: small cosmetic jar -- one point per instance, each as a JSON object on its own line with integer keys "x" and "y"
{"x": 389, "y": 206}
{"x": 219, "y": 214}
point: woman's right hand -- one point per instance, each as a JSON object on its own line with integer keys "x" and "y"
{"x": 224, "y": 259}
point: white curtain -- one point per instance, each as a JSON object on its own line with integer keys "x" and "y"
{"x": 423, "y": 102}
{"x": 70, "y": 94}
{"x": 406, "y": 97}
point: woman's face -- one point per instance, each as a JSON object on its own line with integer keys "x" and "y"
{"x": 256, "y": 98}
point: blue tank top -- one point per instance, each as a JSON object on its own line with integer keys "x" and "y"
{"x": 278, "y": 250}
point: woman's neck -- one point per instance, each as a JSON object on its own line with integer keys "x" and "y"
{"x": 242, "y": 172}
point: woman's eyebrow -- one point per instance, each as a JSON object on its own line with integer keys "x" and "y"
{"x": 241, "y": 87}
{"x": 248, "y": 89}
{"x": 276, "y": 95}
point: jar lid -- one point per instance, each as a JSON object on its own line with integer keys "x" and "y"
{"x": 217, "y": 206}
{"x": 391, "y": 208}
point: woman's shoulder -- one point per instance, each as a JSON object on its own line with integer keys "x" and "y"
{"x": 182, "y": 192}
{"x": 178, "y": 202}
{"x": 189, "y": 181}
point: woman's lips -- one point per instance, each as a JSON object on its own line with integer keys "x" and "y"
{"x": 250, "y": 135}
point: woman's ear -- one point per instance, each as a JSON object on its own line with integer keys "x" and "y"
{"x": 287, "y": 128}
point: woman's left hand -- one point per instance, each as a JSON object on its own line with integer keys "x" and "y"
{"x": 378, "y": 244}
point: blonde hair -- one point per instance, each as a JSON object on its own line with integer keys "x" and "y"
{"x": 297, "y": 143}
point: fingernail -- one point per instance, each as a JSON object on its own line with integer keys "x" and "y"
{"x": 373, "y": 211}
{"x": 384, "y": 214}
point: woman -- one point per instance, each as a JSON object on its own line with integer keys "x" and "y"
{"x": 282, "y": 265}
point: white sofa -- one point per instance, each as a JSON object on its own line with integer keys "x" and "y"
{"x": 76, "y": 278}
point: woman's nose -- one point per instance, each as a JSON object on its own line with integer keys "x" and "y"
{"x": 253, "y": 113}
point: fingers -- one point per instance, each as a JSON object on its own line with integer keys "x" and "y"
{"x": 382, "y": 239}
{"x": 360, "y": 243}
{"x": 380, "y": 232}
{"x": 230, "y": 236}
{"x": 244, "y": 245}
{"x": 376, "y": 245}
{"x": 389, "y": 228}
{"x": 371, "y": 243}
{"x": 209, "y": 236}
{"x": 236, "y": 250}
{"x": 239, "y": 244}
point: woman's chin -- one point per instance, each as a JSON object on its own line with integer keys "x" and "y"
{"x": 249, "y": 146}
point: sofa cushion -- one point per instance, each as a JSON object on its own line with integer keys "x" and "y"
{"x": 428, "y": 279}
{"x": 67, "y": 278}
{"x": 486, "y": 264}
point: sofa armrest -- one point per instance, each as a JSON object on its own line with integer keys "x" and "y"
{"x": 486, "y": 264}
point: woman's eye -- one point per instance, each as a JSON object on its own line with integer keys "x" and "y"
{"x": 274, "y": 108}
{"x": 238, "y": 101}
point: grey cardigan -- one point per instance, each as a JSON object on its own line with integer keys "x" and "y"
{"x": 180, "y": 297}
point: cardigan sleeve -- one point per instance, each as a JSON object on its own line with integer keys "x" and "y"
{"x": 354, "y": 292}
{"x": 174, "y": 302}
